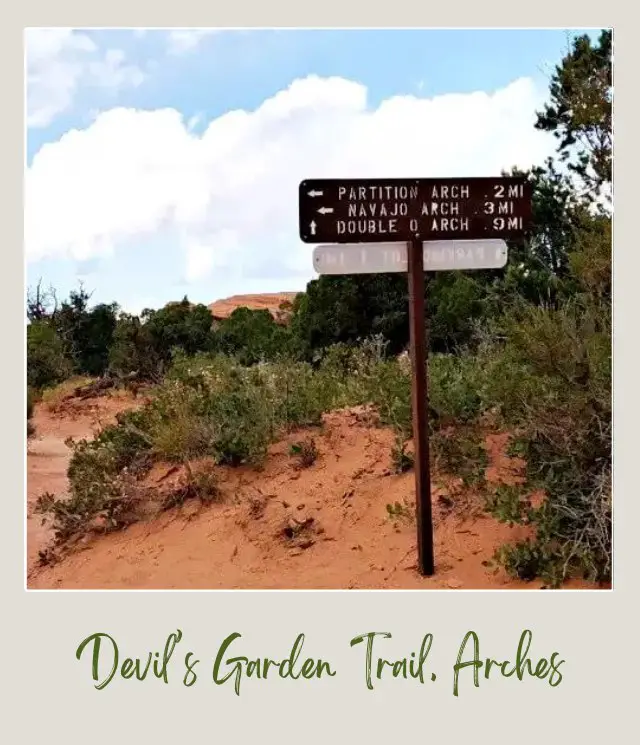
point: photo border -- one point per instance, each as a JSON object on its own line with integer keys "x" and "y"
{"x": 592, "y": 628}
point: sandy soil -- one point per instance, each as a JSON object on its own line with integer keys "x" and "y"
{"x": 285, "y": 527}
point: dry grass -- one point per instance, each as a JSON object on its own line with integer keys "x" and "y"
{"x": 53, "y": 398}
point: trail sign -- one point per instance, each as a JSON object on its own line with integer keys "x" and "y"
{"x": 413, "y": 225}
{"x": 383, "y": 210}
{"x": 377, "y": 258}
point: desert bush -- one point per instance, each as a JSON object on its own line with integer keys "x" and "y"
{"x": 295, "y": 395}
{"x": 460, "y": 452}
{"x": 53, "y": 396}
{"x": 562, "y": 405}
{"x": 30, "y": 405}
{"x": 178, "y": 326}
{"x": 306, "y": 452}
{"x": 47, "y": 364}
{"x": 401, "y": 460}
{"x": 252, "y": 336}
{"x": 457, "y": 386}
{"x": 401, "y": 512}
{"x": 97, "y": 493}
{"x": 133, "y": 350}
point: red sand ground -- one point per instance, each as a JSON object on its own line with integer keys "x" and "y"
{"x": 347, "y": 540}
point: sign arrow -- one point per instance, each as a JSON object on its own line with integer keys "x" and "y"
{"x": 312, "y": 226}
{"x": 315, "y": 193}
{"x": 325, "y": 210}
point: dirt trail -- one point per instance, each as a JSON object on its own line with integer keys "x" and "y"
{"x": 48, "y": 455}
{"x": 283, "y": 527}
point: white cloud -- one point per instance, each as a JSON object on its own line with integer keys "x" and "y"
{"x": 228, "y": 196}
{"x": 188, "y": 39}
{"x": 61, "y": 61}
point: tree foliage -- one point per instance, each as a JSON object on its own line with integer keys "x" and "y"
{"x": 252, "y": 336}
{"x": 179, "y": 326}
{"x": 579, "y": 110}
{"x": 47, "y": 363}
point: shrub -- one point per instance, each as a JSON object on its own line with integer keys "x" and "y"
{"x": 305, "y": 451}
{"x": 252, "y": 336}
{"x": 30, "y": 405}
{"x": 53, "y": 397}
{"x": 457, "y": 387}
{"x": 97, "y": 496}
{"x": 561, "y": 401}
{"x": 460, "y": 453}
{"x": 133, "y": 350}
{"x": 47, "y": 364}
{"x": 401, "y": 511}
{"x": 401, "y": 460}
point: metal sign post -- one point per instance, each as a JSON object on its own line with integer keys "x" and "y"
{"x": 420, "y": 406}
{"x": 413, "y": 225}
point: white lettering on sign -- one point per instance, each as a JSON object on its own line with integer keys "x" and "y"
{"x": 364, "y": 227}
{"x": 514, "y": 191}
{"x": 396, "y": 209}
{"x": 512, "y": 223}
{"x": 453, "y": 191}
{"x": 505, "y": 208}
{"x": 380, "y": 193}
{"x": 392, "y": 257}
{"x": 452, "y": 224}
{"x": 445, "y": 209}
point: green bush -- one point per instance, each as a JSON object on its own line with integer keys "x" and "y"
{"x": 30, "y": 405}
{"x": 252, "y": 336}
{"x": 306, "y": 452}
{"x": 47, "y": 364}
{"x": 457, "y": 386}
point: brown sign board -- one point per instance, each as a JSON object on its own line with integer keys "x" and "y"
{"x": 390, "y": 210}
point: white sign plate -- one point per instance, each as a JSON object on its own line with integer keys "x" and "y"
{"x": 377, "y": 258}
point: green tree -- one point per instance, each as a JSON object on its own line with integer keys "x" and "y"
{"x": 181, "y": 326}
{"x": 47, "y": 363}
{"x": 347, "y": 308}
{"x": 87, "y": 332}
{"x": 579, "y": 112}
{"x": 132, "y": 349}
{"x": 252, "y": 335}
{"x": 454, "y": 301}
{"x": 30, "y": 405}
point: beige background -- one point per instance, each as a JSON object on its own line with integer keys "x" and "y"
{"x": 46, "y": 693}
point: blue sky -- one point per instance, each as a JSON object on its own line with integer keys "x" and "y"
{"x": 142, "y": 183}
